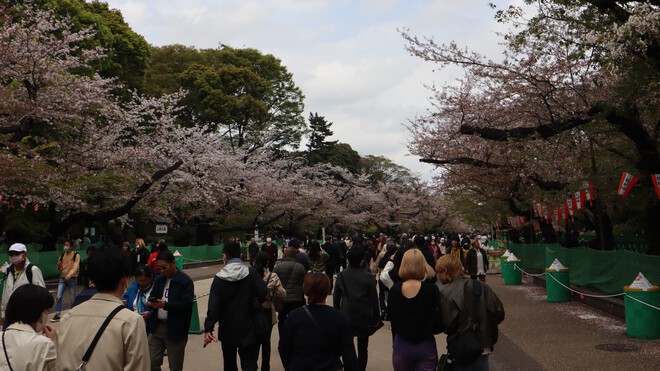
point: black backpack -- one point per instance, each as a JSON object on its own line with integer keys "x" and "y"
{"x": 28, "y": 271}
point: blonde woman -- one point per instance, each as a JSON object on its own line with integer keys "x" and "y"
{"x": 140, "y": 254}
{"x": 413, "y": 309}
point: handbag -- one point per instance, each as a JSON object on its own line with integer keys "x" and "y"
{"x": 467, "y": 346}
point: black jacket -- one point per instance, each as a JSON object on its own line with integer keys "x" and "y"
{"x": 233, "y": 302}
{"x": 179, "y": 304}
{"x": 355, "y": 295}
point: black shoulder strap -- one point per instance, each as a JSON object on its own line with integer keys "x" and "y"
{"x": 9, "y": 271}
{"x": 4, "y": 347}
{"x": 28, "y": 272}
{"x": 476, "y": 292}
{"x": 91, "y": 347}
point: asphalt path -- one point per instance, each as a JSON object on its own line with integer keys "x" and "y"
{"x": 535, "y": 335}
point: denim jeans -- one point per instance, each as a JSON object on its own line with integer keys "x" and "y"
{"x": 62, "y": 284}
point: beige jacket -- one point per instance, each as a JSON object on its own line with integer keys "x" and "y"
{"x": 122, "y": 346}
{"x": 69, "y": 265}
{"x": 27, "y": 350}
{"x": 12, "y": 284}
{"x": 275, "y": 288}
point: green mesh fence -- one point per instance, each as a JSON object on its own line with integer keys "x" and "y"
{"x": 47, "y": 261}
{"x": 607, "y": 271}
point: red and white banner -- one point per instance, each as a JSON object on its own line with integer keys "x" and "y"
{"x": 625, "y": 185}
{"x": 656, "y": 181}
{"x": 588, "y": 188}
{"x": 546, "y": 214}
{"x": 2, "y": 198}
{"x": 579, "y": 200}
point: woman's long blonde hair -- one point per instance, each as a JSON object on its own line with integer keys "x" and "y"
{"x": 414, "y": 266}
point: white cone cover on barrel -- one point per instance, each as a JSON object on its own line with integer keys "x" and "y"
{"x": 177, "y": 253}
{"x": 641, "y": 283}
{"x": 512, "y": 257}
{"x": 506, "y": 253}
{"x": 556, "y": 265}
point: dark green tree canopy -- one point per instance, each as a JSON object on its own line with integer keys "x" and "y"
{"x": 239, "y": 93}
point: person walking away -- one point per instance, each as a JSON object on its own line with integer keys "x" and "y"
{"x": 23, "y": 346}
{"x": 292, "y": 274}
{"x": 334, "y": 259}
{"x": 383, "y": 291}
{"x": 173, "y": 294}
{"x": 235, "y": 291}
{"x": 68, "y": 265}
{"x": 20, "y": 272}
{"x": 476, "y": 261}
{"x": 457, "y": 314}
{"x": 320, "y": 336}
{"x": 414, "y": 312}
{"x": 253, "y": 250}
{"x": 355, "y": 295}
{"x": 275, "y": 289}
{"x": 123, "y": 344}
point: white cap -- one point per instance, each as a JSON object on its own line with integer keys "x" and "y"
{"x": 19, "y": 247}
{"x": 641, "y": 282}
{"x": 177, "y": 253}
{"x": 556, "y": 265}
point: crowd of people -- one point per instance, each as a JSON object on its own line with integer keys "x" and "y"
{"x": 136, "y": 307}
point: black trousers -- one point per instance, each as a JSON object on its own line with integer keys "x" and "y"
{"x": 248, "y": 355}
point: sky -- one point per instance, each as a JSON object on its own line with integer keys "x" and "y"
{"x": 347, "y": 57}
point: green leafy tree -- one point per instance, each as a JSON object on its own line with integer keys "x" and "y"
{"x": 127, "y": 52}
{"x": 242, "y": 94}
{"x": 382, "y": 170}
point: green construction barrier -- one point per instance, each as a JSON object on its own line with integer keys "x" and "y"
{"x": 556, "y": 283}
{"x": 178, "y": 262}
{"x": 642, "y": 321}
{"x": 606, "y": 271}
{"x": 512, "y": 276}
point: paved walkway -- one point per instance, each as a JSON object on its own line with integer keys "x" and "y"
{"x": 536, "y": 335}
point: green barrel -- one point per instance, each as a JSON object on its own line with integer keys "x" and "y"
{"x": 178, "y": 262}
{"x": 553, "y": 285}
{"x": 512, "y": 276}
{"x": 642, "y": 321}
{"x": 194, "y": 320}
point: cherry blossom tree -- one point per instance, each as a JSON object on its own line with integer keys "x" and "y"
{"x": 573, "y": 98}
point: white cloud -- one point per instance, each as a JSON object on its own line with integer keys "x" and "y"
{"x": 346, "y": 56}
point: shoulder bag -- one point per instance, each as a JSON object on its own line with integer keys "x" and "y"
{"x": 467, "y": 346}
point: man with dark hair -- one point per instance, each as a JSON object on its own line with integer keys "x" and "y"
{"x": 232, "y": 306}
{"x": 334, "y": 260}
{"x": 123, "y": 345}
{"x": 172, "y": 296}
{"x": 355, "y": 295}
{"x": 301, "y": 256}
{"x": 292, "y": 275}
{"x": 419, "y": 242}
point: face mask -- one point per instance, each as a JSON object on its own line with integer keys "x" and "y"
{"x": 268, "y": 240}
{"x": 67, "y": 248}
{"x": 43, "y": 321}
{"x": 16, "y": 259}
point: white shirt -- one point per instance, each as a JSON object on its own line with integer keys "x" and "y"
{"x": 162, "y": 313}
{"x": 481, "y": 270}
